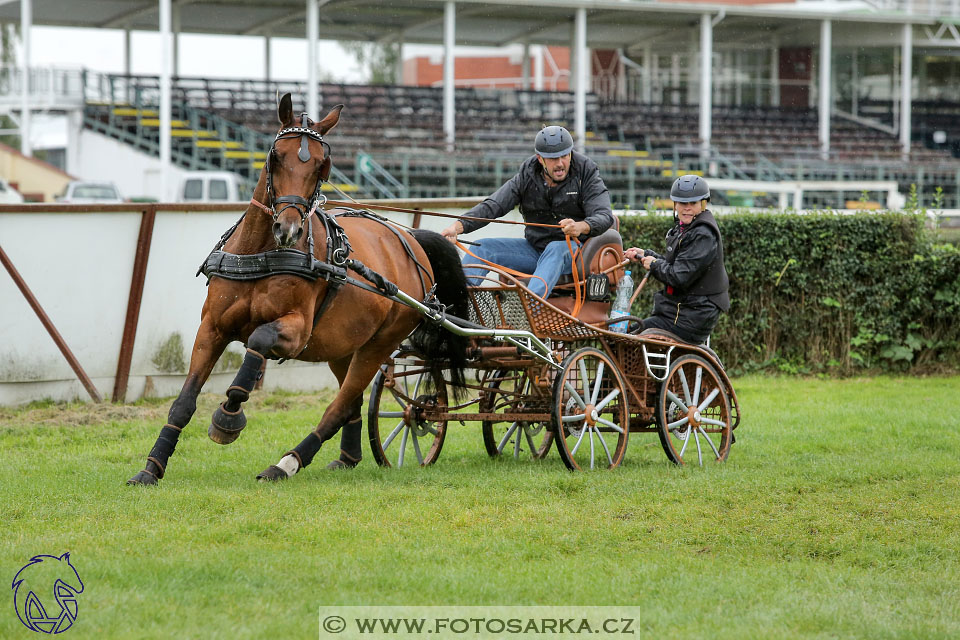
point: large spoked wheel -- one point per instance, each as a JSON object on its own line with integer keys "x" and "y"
{"x": 590, "y": 415}
{"x": 397, "y": 419}
{"x": 511, "y": 393}
{"x": 693, "y": 413}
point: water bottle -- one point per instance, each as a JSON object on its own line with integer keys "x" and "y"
{"x": 621, "y": 305}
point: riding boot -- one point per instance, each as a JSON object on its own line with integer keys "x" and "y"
{"x": 350, "y": 449}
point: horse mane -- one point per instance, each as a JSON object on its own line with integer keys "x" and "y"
{"x": 438, "y": 345}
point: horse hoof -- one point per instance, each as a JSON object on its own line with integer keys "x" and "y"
{"x": 341, "y": 464}
{"x": 272, "y": 473}
{"x": 143, "y": 479}
{"x": 225, "y": 427}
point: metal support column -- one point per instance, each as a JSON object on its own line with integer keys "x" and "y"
{"x": 26, "y": 22}
{"x": 906, "y": 87}
{"x": 313, "y": 37}
{"x": 583, "y": 74}
{"x": 706, "y": 81}
{"x": 166, "y": 66}
{"x": 823, "y": 68}
{"x": 449, "y": 41}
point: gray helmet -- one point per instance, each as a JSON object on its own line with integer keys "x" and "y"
{"x": 553, "y": 142}
{"x": 689, "y": 188}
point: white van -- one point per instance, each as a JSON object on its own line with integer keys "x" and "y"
{"x": 209, "y": 186}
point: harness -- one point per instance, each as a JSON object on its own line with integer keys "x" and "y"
{"x": 304, "y": 264}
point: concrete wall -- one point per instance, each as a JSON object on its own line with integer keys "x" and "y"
{"x": 79, "y": 267}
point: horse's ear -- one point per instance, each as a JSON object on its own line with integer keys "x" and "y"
{"x": 330, "y": 120}
{"x": 285, "y": 110}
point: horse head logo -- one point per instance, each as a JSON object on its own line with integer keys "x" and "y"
{"x": 45, "y": 593}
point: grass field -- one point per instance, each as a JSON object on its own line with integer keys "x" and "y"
{"x": 836, "y": 516}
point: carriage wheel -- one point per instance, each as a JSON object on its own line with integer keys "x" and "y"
{"x": 590, "y": 414}
{"x": 693, "y": 412}
{"x": 513, "y": 392}
{"x": 400, "y": 433}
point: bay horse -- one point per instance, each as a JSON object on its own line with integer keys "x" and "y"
{"x": 268, "y": 290}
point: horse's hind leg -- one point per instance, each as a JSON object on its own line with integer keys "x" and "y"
{"x": 206, "y": 351}
{"x": 343, "y": 411}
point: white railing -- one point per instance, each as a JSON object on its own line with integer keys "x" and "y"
{"x": 48, "y": 87}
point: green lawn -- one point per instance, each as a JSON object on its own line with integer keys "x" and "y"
{"x": 836, "y": 515}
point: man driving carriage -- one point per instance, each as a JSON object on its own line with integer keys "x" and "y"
{"x": 692, "y": 271}
{"x": 555, "y": 186}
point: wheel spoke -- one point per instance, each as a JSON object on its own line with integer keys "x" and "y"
{"x": 574, "y": 394}
{"x": 403, "y": 446}
{"x": 677, "y": 401}
{"x": 390, "y": 414}
{"x": 605, "y": 448}
{"x": 716, "y": 423}
{"x": 683, "y": 383}
{"x": 516, "y": 447}
{"x": 591, "y": 445}
{"x": 596, "y": 383}
{"x": 584, "y": 378}
{"x": 573, "y": 418}
{"x": 610, "y": 424}
{"x": 706, "y": 401}
{"x": 672, "y": 426}
{"x": 696, "y": 386}
{"x": 686, "y": 440}
{"x": 716, "y": 452}
{"x": 533, "y": 447}
{"x": 393, "y": 434}
{"x": 579, "y": 440}
{"x": 416, "y": 448}
{"x": 610, "y": 396}
{"x": 506, "y": 437}
{"x": 696, "y": 437}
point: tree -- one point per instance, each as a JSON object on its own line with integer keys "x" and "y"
{"x": 378, "y": 61}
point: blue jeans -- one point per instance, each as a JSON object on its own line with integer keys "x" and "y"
{"x": 518, "y": 254}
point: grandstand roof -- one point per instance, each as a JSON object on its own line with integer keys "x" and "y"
{"x": 612, "y": 23}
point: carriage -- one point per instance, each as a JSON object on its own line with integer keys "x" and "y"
{"x": 552, "y": 371}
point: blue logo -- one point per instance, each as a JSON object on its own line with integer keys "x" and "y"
{"x": 45, "y": 593}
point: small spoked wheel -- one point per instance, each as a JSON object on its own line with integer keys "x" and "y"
{"x": 693, "y": 412}
{"x": 590, "y": 415}
{"x": 398, "y": 417}
{"x": 511, "y": 393}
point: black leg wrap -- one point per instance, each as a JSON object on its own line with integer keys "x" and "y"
{"x": 350, "y": 448}
{"x": 250, "y": 371}
{"x": 158, "y": 457}
{"x": 307, "y": 449}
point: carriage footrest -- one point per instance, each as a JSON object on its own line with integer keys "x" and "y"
{"x": 658, "y": 363}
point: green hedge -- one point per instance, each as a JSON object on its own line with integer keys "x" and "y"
{"x": 827, "y": 292}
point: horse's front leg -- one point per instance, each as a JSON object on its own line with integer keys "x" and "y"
{"x": 280, "y": 338}
{"x": 207, "y": 349}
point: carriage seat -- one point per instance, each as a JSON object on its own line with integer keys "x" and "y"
{"x": 663, "y": 333}
{"x": 598, "y": 253}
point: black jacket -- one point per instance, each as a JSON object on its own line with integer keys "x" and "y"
{"x": 582, "y": 196}
{"x": 695, "y": 278}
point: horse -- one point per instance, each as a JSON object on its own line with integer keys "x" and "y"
{"x": 268, "y": 289}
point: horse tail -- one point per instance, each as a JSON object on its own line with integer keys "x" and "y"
{"x": 443, "y": 349}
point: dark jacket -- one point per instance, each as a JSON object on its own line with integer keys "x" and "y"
{"x": 582, "y": 196}
{"x": 696, "y": 280}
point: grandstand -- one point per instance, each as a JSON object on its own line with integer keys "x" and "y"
{"x": 396, "y": 132}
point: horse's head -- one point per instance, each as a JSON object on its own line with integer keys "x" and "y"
{"x": 296, "y": 166}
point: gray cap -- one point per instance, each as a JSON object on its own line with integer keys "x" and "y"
{"x": 689, "y": 188}
{"x": 553, "y": 142}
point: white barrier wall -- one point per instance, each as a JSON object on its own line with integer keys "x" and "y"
{"x": 79, "y": 267}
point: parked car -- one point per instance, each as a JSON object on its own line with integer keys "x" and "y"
{"x": 209, "y": 186}
{"x": 88, "y": 192}
{"x": 9, "y": 195}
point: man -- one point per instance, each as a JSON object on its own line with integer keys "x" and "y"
{"x": 692, "y": 269}
{"x": 556, "y": 186}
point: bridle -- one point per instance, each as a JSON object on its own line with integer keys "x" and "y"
{"x": 304, "y": 207}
